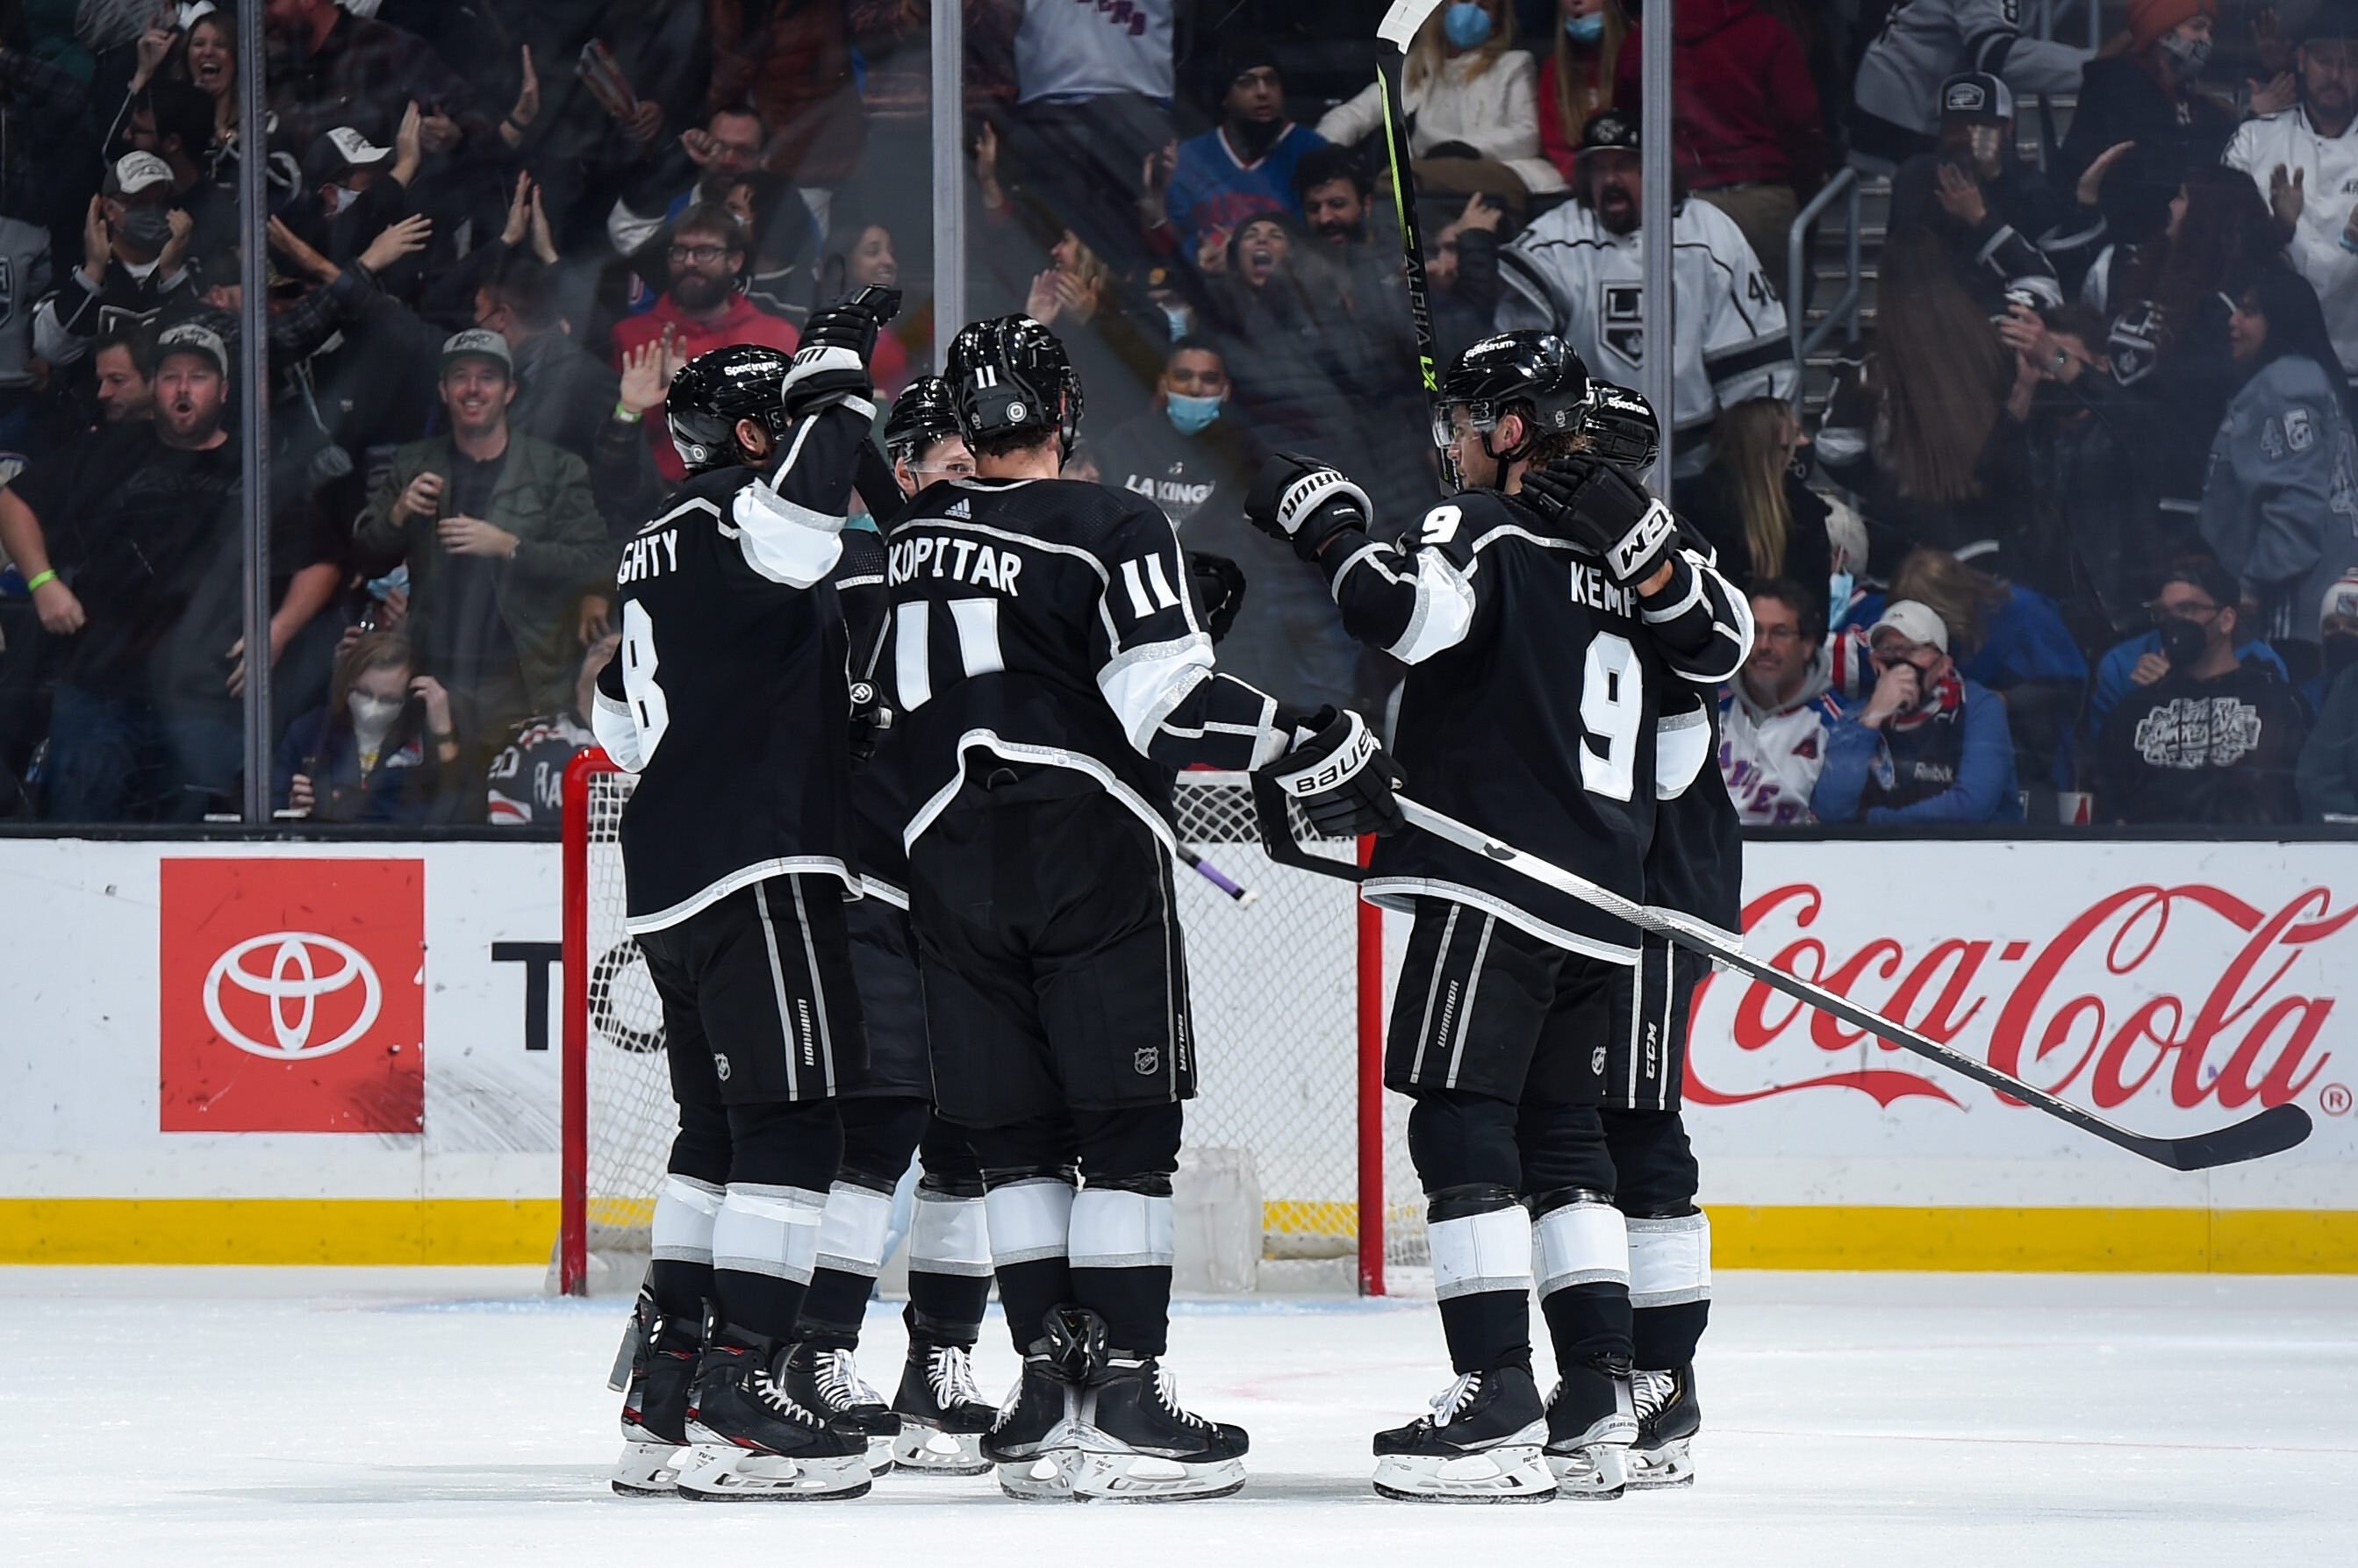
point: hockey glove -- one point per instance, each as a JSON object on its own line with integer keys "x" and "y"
{"x": 1593, "y": 503}
{"x": 831, "y": 363}
{"x": 870, "y": 719}
{"x": 1340, "y": 775}
{"x": 1305, "y": 503}
{"x": 1220, "y": 585}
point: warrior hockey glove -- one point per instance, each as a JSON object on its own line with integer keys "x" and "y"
{"x": 1340, "y": 775}
{"x": 831, "y": 363}
{"x": 1305, "y": 503}
{"x": 1220, "y": 584}
{"x": 1593, "y": 503}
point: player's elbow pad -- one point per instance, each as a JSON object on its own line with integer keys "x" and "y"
{"x": 782, "y": 540}
{"x": 1681, "y": 747}
{"x": 618, "y": 732}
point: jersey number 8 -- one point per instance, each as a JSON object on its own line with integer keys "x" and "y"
{"x": 648, "y": 705}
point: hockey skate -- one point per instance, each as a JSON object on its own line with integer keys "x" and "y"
{"x": 751, "y": 1442}
{"x": 1669, "y": 1416}
{"x": 943, "y": 1414}
{"x": 1481, "y": 1444}
{"x": 1590, "y": 1427}
{"x": 829, "y": 1381}
{"x": 1030, "y": 1443}
{"x": 655, "y": 1407}
{"x": 1137, "y": 1443}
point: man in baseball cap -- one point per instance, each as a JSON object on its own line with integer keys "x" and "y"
{"x": 191, "y": 386}
{"x": 1984, "y": 202}
{"x": 1927, "y": 746}
{"x": 134, "y": 261}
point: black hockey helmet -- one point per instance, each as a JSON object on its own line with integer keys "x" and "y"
{"x": 1010, "y": 376}
{"x": 1532, "y": 372}
{"x": 1621, "y": 427}
{"x": 716, "y": 389}
{"x": 920, "y": 417}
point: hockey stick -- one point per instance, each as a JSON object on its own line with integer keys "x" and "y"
{"x": 1218, "y": 879}
{"x": 2272, "y": 1131}
{"x": 1398, "y": 29}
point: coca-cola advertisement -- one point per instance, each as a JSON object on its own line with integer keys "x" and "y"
{"x": 2168, "y": 987}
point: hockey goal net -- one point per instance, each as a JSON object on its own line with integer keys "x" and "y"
{"x": 1290, "y": 1117}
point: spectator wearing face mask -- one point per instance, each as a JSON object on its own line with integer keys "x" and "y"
{"x": 1926, "y": 746}
{"x": 2002, "y": 223}
{"x": 134, "y": 263}
{"x": 1923, "y": 42}
{"x": 2212, "y": 742}
{"x": 1753, "y": 502}
{"x": 1242, "y": 167}
{"x": 376, "y": 752}
{"x": 2328, "y": 775}
{"x": 358, "y": 190}
{"x": 1576, "y": 79}
{"x": 2279, "y": 508}
{"x": 1773, "y": 717}
{"x": 2146, "y": 90}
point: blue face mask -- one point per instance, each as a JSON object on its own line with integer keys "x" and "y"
{"x": 1586, "y": 29}
{"x": 1190, "y": 415}
{"x": 1840, "y": 587}
{"x": 1467, "y": 24}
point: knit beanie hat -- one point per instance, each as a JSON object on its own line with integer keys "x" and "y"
{"x": 2149, "y": 20}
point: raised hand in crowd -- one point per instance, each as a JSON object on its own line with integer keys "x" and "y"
{"x": 647, "y": 371}
{"x": 97, "y": 244}
{"x": 1154, "y": 185}
{"x": 2275, "y": 95}
{"x": 700, "y": 145}
{"x": 527, "y": 104}
{"x": 1960, "y": 195}
{"x": 519, "y": 223}
{"x": 403, "y": 237}
{"x": 408, "y": 145}
{"x": 2285, "y": 196}
{"x": 1481, "y": 212}
{"x": 543, "y": 239}
{"x": 174, "y": 253}
{"x": 438, "y": 132}
{"x": 2092, "y": 178}
{"x": 423, "y": 498}
{"x": 1212, "y": 251}
{"x": 156, "y": 41}
{"x": 430, "y": 694}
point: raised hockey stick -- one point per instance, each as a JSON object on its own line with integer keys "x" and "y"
{"x": 1217, "y": 877}
{"x": 2272, "y": 1131}
{"x": 1398, "y": 29}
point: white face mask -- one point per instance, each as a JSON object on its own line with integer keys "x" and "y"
{"x": 339, "y": 197}
{"x": 372, "y": 715}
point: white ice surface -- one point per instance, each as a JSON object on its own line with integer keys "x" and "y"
{"x": 343, "y": 1418}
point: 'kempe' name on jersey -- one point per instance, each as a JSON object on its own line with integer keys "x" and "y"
{"x": 649, "y": 555}
{"x": 958, "y": 560}
{"x": 1594, "y": 588}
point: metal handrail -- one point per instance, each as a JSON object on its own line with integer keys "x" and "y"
{"x": 1845, "y": 309}
{"x": 2050, "y": 11}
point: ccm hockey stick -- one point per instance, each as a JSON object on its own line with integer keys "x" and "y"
{"x": 2272, "y": 1131}
{"x": 1401, "y": 25}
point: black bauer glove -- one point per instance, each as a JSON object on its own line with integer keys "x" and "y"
{"x": 870, "y": 719}
{"x": 830, "y": 359}
{"x": 1341, "y": 777}
{"x": 1305, "y": 503}
{"x": 1590, "y": 501}
{"x": 1220, "y": 584}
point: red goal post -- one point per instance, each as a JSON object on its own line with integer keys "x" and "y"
{"x": 1288, "y": 993}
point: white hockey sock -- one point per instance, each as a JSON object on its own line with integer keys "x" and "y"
{"x": 1580, "y": 1244}
{"x": 685, "y": 1211}
{"x": 1670, "y": 1260}
{"x": 950, "y": 1235}
{"x": 1116, "y": 1230}
{"x": 1030, "y": 1221}
{"x": 1481, "y": 1252}
{"x": 852, "y": 1229}
{"x": 768, "y": 1230}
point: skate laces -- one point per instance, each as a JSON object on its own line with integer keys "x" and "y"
{"x": 951, "y": 1376}
{"x": 1166, "y": 1388}
{"x": 1650, "y": 1391}
{"x": 840, "y": 1382}
{"x": 1450, "y": 1402}
{"x": 767, "y": 1389}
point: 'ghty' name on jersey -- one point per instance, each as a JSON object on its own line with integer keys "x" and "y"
{"x": 959, "y": 560}
{"x": 649, "y": 555}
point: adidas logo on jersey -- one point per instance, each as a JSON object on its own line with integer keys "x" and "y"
{"x": 958, "y": 509}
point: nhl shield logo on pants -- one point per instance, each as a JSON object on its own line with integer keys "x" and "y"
{"x": 1147, "y": 1060}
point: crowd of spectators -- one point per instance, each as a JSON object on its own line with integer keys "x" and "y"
{"x": 2073, "y": 532}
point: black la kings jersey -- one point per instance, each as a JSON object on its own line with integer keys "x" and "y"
{"x": 729, "y": 696}
{"x": 879, "y": 787}
{"x": 1054, "y": 622}
{"x": 1541, "y": 696}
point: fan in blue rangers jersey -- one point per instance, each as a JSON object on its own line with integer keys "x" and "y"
{"x": 1050, "y": 667}
{"x": 1558, "y": 637}
{"x": 936, "y": 1419}
{"x": 731, "y": 703}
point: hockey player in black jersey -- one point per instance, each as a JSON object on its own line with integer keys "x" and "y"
{"x": 1550, "y": 618}
{"x": 1052, "y": 670}
{"x": 935, "y": 1421}
{"x": 730, "y": 701}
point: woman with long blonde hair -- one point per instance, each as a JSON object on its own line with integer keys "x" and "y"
{"x": 1576, "y": 81}
{"x": 1752, "y": 504}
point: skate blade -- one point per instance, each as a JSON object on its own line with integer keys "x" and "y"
{"x": 1511, "y": 1473}
{"x": 1129, "y": 1477}
{"x": 1046, "y": 1478}
{"x": 1660, "y": 1469}
{"x": 930, "y": 1451}
{"x": 881, "y": 1455}
{"x": 647, "y": 1469}
{"x": 1597, "y": 1473}
{"x": 714, "y": 1475}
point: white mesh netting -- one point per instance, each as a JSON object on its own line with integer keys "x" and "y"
{"x": 1273, "y": 983}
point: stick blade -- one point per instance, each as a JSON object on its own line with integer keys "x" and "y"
{"x": 2272, "y": 1131}
{"x": 1405, "y": 20}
